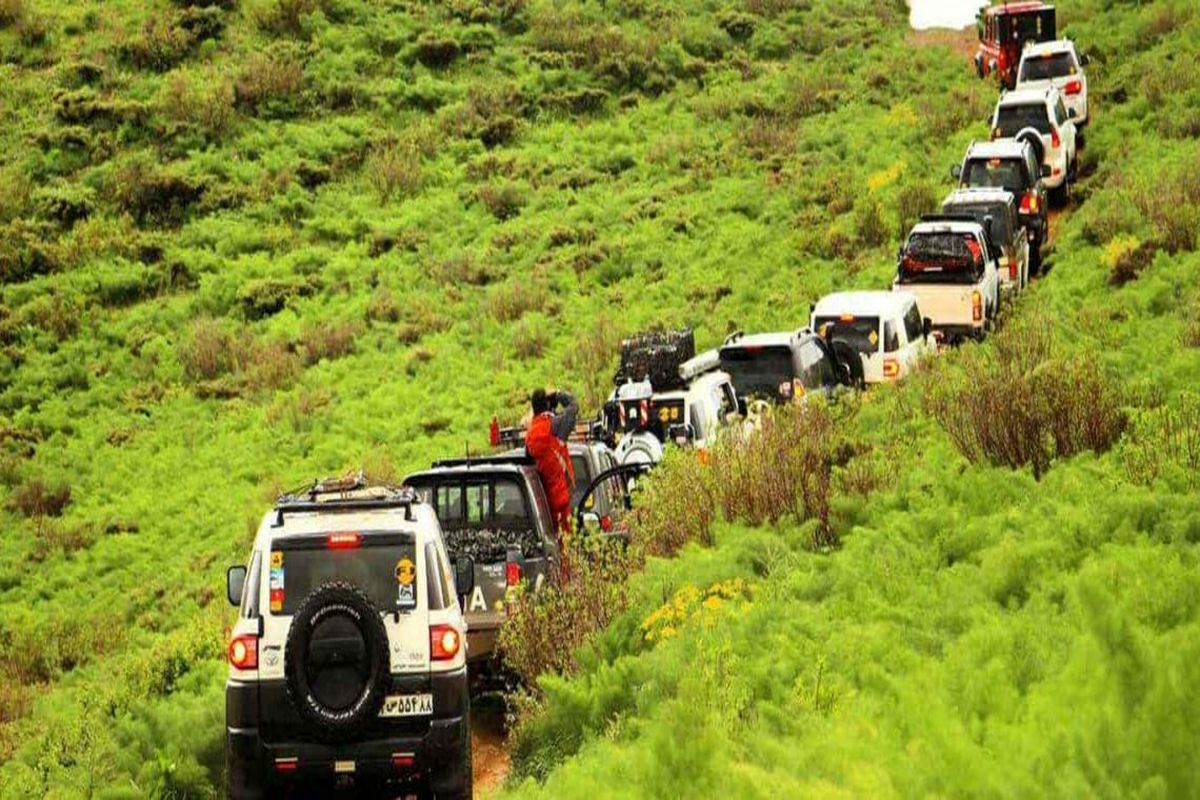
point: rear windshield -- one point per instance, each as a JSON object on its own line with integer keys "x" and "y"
{"x": 1011, "y": 120}
{"x": 941, "y": 258}
{"x": 387, "y": 572}
{"x": 995, "y": 173}
{"x": 1051, "y": 65}
{"x": 998, "y": 213}
{"x": 758, "y": 370}
{"x": 1033, "y": 26}
{"x": 656, "y": 416}
{"x": 861, "y": 333}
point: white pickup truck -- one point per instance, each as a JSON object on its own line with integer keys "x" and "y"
{"x": 948, "y": 265}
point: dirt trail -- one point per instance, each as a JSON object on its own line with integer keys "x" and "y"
{"x": 489, "y": 749}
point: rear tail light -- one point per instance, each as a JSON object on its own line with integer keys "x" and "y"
{"x": 606, "y": 523}
{"x": 343, "y": 541}
{"x": 494, "y": 432}
{"x": 243, "y": 652}
{"x": 976, "y": 306}
{"x": 891, "y": 368}
{"x": 1073, "y": 87}
{"x": 403, "y": 760}
{"x": 1012, "y": 269}
{"x": 444, "y": 642}
{"x": 1029, "y": 203}
{"x": 286, "y": 764}
{"x": 512, "y": 573}
{"x": 1055, "y": 139}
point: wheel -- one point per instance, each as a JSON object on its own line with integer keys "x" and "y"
{"x": 1062, "y": 195}
{"x": 851, "y": 364}
{"x": 336, "y": 661}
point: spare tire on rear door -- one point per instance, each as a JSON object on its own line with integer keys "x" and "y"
{"x": 336, "y": 661}
{"x": 850, "y": 364}
{"x": 1034, "y": 138}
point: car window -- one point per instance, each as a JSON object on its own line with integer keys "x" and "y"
{"x": 861, "y": 333}
{"x": 995, "y": 173}
{"x": 250, "y": 599}
{"x": 583, "y": 476}
{"x": 891, "y": 339}
{"x": 941, "y": 258}
{"x": 1047, "y": 66}
{"x": 479, "y": 503}
{"x": 1060, "y": 112}
{"x": 448, "y": 503}
{"x": 912, "y": 323}
{"x": 384, "y": 567}
{"x": 511, "y": 508}
{"x": 818, "y": 369}
{"x": 1012, "y": 119}
{"x": 437, "y": 593}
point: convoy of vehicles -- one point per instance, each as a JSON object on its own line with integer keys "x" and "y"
{"x": 1014, "y": 167}
{"x": 1006, "y": 235}
{"x": 1004, "y": 32}
{"x": 347, "y": 659}
{"x": 948, "y": 265}
{"x": 368, "y": 614}
{"x": 1040, "y": 117}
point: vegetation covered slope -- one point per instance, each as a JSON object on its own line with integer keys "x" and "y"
{"x": 247, "y": 243}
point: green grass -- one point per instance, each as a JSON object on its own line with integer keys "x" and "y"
{"x": 177, "y": 220}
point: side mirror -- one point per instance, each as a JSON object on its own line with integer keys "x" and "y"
{"x": 235, "y": 583}
{"x": 682, "y": 434}
{"x": 743, "y": 407}
{"x": 464, "y": 575}
{"x": 926, "y": 327}
{"x": 956, "y": 172}
{"x": 1044, "y": 171}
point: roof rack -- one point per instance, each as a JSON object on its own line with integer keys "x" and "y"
{"x": 335, "y": 494}
{"x": 949, "y": 218}
{"x": 491, "y": 460}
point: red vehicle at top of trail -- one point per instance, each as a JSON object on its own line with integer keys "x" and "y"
{"x": 1005, "y": 30}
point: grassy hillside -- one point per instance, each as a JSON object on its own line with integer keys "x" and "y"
{"x": 247, "y": 243}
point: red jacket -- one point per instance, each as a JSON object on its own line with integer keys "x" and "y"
{"x": 553, "y": 461}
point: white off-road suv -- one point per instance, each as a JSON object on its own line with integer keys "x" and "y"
{"x": 347, "y": 662}
{"x": 1040, "y": 117}
{"x": 1057, "y": 64}
{"x": 885, "y": 328}
{"x": 948, "y": 265}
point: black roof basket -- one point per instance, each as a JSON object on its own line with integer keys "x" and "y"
{"x": 316, "y": 497}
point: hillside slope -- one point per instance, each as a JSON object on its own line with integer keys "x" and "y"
{"x": 246, "y": 243}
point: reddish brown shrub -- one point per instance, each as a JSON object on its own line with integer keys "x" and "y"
{"x": 35, "y": 499}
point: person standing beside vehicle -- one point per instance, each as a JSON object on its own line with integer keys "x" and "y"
{"x": 546, "y": 443}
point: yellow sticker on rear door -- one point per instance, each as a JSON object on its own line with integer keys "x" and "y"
{"x": 406, "y": 571}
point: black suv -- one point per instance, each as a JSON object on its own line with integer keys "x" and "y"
{"x": 347, "y": 662}
{"x": 1014, "y": 166}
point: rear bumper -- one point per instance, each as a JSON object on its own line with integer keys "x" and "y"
{"x": 950, "y": 334}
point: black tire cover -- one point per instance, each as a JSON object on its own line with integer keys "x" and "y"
{"x": 851, "y": 363}
{"x": 1034, "y": 138}
{"x": 337, "y": 683}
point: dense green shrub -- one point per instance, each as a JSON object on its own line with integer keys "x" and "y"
{"x": 271, "y": 83}
{"x": 263, "y": 297}
{"x": 153, "y": 194}
{"x": 203, "y": 99}
{"x": 436, "y": 52}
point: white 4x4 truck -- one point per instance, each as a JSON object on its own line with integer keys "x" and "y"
{"x": 1057, "y": 64}
{"x": 1040, "y": 117}
{"x": 347, "y": 661}
{"x": 949, "y": 266}
{"x": 885, "y": 328}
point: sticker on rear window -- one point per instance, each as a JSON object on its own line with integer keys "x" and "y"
{"x": 276, "y": 581}
{"x": 406, "y": 588}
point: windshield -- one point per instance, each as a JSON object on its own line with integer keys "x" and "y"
{"x": 861, "y": 333}
{"x": 1051, "y": 65}
{"x": 386, "y": 571}
{"x": 941, "y": 258}
{"x": 999, "y": 214}
{"x": 995, "y": 173}
{"x": 1011, "y": 120}
{"x": 758, "y": 370}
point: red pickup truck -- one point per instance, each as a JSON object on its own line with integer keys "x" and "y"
{"x": 1004, "y": 31}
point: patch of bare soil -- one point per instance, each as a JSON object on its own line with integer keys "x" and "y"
{"x": 490, "y": 757}
{"x": 961, "y": 42}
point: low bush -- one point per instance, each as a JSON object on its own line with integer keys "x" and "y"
{"x": 56, "y": 536}
{"x": 676, "y": 505}
{"x": 1164, "y": 442}
{"x": 515, "y": 299}
{"x": 394, "y": 171}
{"x": 1022, "y": 403}
{"x": 529, "y": 340}
{"x": 490, "y": 114}
{"x": 284, "y": 17}
{"x": 153, "y": 194}
{"x": 1171, "y": 205}
{"x": 64, "y": 203}
{"x": 593, "y": 356}
{"x": 34, "y": 498}
{"x": 169, "y": 36}
{"x": 271, "y": 83}
{"x": 544, "y": 630}
{"x": 1126, "y": 257}
{"x": 205, "y": 100}
{"x": 503, "y": 201}
{"x": 11, "y": 12}
{"x": 436, "y": 52}
{"x": 264, "y": 297}
{"x": 327, "y": 341}
{"x": 222, "y": 361}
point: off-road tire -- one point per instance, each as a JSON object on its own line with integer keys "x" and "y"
{"x": 345, "y": 600}
{"x": 851, "y": 364}
{"x": 1062, "y": 195}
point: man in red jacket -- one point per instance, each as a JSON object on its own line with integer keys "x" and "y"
{"x": 546, "y": 442}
